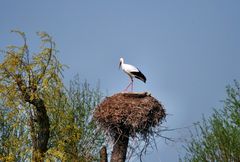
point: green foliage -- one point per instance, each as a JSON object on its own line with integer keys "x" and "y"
{"x": 74, "y": 135}
{"x": 218, "y": 138}
{"x": 14, "y": 141}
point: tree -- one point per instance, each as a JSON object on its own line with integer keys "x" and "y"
{"x": 40, "y": 119}
{"x": 218, "y": 138}
{"x": 27, "y": 81}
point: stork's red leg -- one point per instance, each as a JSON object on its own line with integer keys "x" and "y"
{"x": 132, "y": 86}
{"x": 127, "y": 87}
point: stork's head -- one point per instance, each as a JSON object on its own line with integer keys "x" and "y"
{"x": 121, "y": 62}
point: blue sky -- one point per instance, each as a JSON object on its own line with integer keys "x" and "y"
{"x": 188, "y": 49}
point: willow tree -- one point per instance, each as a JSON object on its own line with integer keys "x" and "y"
{"x": 218, "y": 138}
{"x": 27, "y": 81}
{"x": 73, "y": 135}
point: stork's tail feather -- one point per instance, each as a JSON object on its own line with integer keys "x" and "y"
{"x": 139, "y": 75}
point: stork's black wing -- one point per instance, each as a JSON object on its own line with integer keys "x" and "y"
{"x": 139, "y": 75}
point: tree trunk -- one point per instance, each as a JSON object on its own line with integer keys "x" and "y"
{"x": 120, "y": 148}
{"x": 41, "y": 131}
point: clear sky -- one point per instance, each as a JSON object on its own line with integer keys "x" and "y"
{"x": 189, "y": 50}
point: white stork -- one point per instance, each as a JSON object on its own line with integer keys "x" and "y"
{"x": 132, "y": 72}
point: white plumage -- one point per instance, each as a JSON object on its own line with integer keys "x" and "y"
{"x": 132, "y": 72}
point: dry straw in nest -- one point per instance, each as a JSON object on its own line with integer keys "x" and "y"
{"x": 134, "y": 112}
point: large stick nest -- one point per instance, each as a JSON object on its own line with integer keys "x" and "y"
{"x": 134, "y": 112}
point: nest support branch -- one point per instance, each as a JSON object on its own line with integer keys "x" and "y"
{"x": 120, "y": 146}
